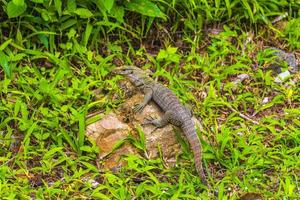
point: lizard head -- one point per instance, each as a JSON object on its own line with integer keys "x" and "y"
{"x": 136, "y": 75}
{"x": 129, "y": 69}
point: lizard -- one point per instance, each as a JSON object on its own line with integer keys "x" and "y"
{"x": 174, "y": 112}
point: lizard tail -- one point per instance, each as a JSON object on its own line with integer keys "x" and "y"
{"x": 195, "y": 144}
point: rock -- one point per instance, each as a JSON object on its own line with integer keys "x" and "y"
{"x": 116, "y": 126}
{"x": 240, "y": 78}
{"x": 282, "y": 77}
{"x": 107, "y": 132}
{"x": 290, "y": 58}
{"x": 251, "y": 196}
{"x": 236, "y": 81}
{"x": 265, "y": 100}
{"x": 108, "y": 124}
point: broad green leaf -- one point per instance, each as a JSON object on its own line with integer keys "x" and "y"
{"x": 221, "y": 191}
{"x": 228, "y": 6}
{"x": 38, "y": 1}
{"x": 90, "y": 166}
{"x": 14, "y": 10}
{"x": 68, "y": 24}
{"x": 45, "y": 15}
{"x": 86, "y": 148}
{"x": 81, "y": 118}
{"x": 292, "y": 111}
{"x": 113, "y": 26}
{"x": 172, "y": 50}
{"x": 69, "y": 139}
{"x": 83, "y": 13}
{"x": 89, "y": 55}
{"x": 162, "y": 54}
{"x": 4, "y": 63}
{"x": 71, "y": 5}
{"x": 33, "y": 52}
{"x": 268, "y": 79}
{"x": 142, "y": 138}
{"x": 87, "y": 34}
{"x": 248, "y": 8}
{"x": 100, "y": 195}
{"x": 5, "y": 44}
{"x": 118, "y": 13}
{"x": 108, "y": 4}
{"x": 58, "y": 4}
{"x": 18, "y": 2}
{"x": 31, "y": 127}
{"x": 52, "y": 43}
{"x": 52, "y": 152}
{"x": 44, "y": 39}
{"x": 17, "y": 107}
{"x": 19, "y": 36}
{"x": 71, "y": 33}
{"x": 17, "y": 57}
{"x": 144, "y": 7}
{"x": 169, "y": 55}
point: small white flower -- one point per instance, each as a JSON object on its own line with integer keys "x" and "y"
{"x": 240, "y": 134}
{"x": 265, "y": 100}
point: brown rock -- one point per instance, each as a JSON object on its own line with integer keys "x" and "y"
{"x": 107, "y": 133}
{"x": 112, "y": 129}
{"x": 105, "y": 126}
{"x": 251, "y": 196}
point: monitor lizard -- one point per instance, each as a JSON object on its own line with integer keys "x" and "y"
{"x": 175, "y": 112}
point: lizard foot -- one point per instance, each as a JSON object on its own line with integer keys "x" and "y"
{"x": 138, "y": 107}
{"x": 148, "y": 120}
{"x": 153, "y": 120}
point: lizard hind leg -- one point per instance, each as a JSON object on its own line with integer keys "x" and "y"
{"x": 159, "y": 122}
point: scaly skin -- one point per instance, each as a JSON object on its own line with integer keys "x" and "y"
{"x": 175, "y": 113}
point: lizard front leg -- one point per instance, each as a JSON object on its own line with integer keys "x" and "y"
{"x": 148, "y": 95}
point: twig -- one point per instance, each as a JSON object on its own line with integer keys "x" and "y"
{"x": 95, "y": 113}
{"x": 244, "y": 116}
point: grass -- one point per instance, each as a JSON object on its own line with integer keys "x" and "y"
{"x": 55, "y": 71}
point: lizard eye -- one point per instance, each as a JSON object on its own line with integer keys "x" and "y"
{"x": 127, "y": 71}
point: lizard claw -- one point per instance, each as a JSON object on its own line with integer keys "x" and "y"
{"x": 149, "y": 120}
{"x": 152, "y": 120}
{"x": 138, "y": 107}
